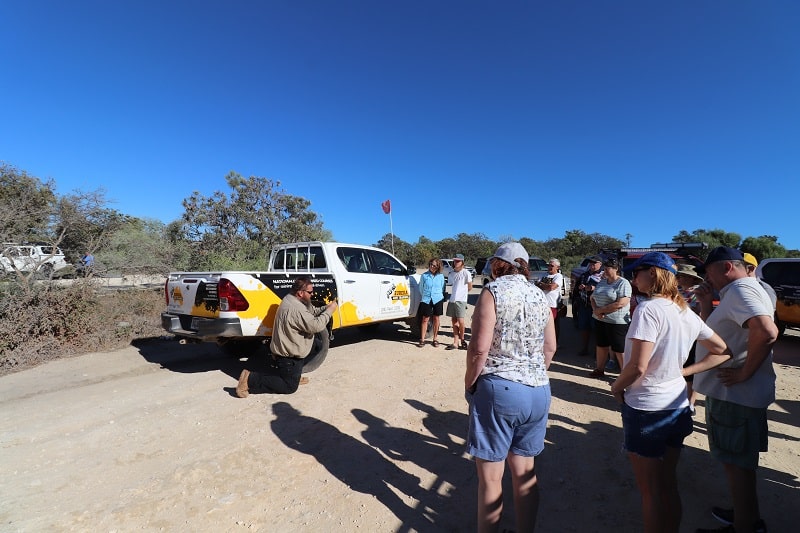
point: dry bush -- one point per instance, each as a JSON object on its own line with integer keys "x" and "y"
{"x": 42, "y": 322}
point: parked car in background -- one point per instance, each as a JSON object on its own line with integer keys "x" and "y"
{"x": 536, "y": 265}
{"x": 783, "y": 274}
{"x": 43, "y": 259}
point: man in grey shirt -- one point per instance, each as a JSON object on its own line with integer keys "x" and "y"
{"x": 739, "y": 392}
{"x": 296, "y": 324}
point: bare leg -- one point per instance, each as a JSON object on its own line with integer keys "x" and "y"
{"x": 649, "y": 478}
{"x": 742, "y": 482}
{"x": 601, "y": 357}
{"x": 670, "y": 496}
{"x": 690, "y": 392}
{"x": 526, "y": 491}
{"x": 435, "y": 327}
{"x": 455, "y": 332}
{"x": 423, "y": 327}
{"x": 490, "y": 494}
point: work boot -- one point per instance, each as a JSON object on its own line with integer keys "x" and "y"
{"x": 242, "y": 390}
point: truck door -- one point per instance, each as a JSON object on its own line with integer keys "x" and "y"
{"x": 373, "y": 287}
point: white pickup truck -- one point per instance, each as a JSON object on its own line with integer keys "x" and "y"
{"x": 237, "y": 309}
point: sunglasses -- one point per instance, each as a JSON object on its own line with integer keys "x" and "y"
{"x": 640, "y": 269}
{"x": 309, "y": 292}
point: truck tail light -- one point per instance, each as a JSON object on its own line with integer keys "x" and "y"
{"x": 230, "y": 299}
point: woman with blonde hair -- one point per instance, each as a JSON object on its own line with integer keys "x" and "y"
{"x": 651, "y": 388}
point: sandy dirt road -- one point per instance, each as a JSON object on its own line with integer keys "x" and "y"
{"x": 150, "y": 438}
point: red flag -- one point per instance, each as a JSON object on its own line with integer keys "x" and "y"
{"x": 387, "y": 206}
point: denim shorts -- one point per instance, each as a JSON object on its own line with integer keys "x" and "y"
{"x": 506, "y": 416}
{"x": 649, "y": 433}
{"x": 736, "y": 433}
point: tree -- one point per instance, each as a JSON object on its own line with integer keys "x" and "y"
{"x": 402, "y": 249}
{"x": 26, "y": 206}
{"x": 241, "y": 228}
{"x": 713, "y": 238}
{"x": 763, "y": 247}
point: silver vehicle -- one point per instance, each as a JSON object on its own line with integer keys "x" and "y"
{"x": 43, "y": 259}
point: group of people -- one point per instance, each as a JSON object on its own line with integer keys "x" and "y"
{"x": 432, "y": 288}
{"x": 513, "y": 341}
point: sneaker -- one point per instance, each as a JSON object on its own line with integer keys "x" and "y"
{"x": 760, "y": 527}
{"x": 723, "y": 515}
{"x": 242, "y": 389}
{"x": 597, "y": 373}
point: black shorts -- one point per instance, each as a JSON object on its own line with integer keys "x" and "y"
{"x": 429, "y": 309}
{"x": 612, "y": 335}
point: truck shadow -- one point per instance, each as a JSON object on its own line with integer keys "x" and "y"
{"x": 190, "y": 358}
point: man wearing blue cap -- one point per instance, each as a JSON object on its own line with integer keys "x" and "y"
{"x": 739, "y": 392}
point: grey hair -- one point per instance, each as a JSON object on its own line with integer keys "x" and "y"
{"x": 554, "y": 260}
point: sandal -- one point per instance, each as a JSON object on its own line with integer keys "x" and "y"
{"x": 435, "y": 344}
{"x": 597, "y": 373}
{"x": 420, "y": 344}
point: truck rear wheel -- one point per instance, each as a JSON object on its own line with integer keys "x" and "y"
{"x": 319, "y": 351}
{"x": 242, "y": 347}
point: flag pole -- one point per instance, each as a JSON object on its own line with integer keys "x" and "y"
{"x": 391, "y": 230}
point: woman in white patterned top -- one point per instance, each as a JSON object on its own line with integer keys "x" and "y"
{"x": 513, "y": 342}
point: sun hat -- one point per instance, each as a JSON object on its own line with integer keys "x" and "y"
{"x": 723, "y": 253}
{"x": 511, "y": 251}
{"x": 750, "y": 259}
{"x": 656, "y": 259}
{"x": 460, "y": 257}
{"x": 688, "y": 270}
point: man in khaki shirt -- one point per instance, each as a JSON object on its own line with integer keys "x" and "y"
{"x": 296, "y": 324}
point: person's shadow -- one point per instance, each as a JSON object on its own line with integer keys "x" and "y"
{"x": 451, "y": 493}
{"x": 354, "y": 463}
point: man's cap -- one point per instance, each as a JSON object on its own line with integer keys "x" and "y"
{"x": 511, "y": 251}
{"x": 611, "y": 262}
{"x": 688, "y": 270}
{"x": 724, "y": 253}
{"x": 595, "y": 259}
{"x": 750, "y": 259}
{"x": 460, "y": 257}
{"x": 656, "y": 259}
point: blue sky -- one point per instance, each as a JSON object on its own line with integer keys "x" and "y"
{"x": 521, "y": 119}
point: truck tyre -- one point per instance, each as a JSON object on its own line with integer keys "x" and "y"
{"x": 416, "y": 325}
{"x": 319, "y": 351}
{"x": 242, "y": 347}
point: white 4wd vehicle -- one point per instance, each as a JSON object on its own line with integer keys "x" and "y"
{"x": 43, "y": 259}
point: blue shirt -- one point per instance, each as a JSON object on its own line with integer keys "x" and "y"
{"x": 432, "y": 287}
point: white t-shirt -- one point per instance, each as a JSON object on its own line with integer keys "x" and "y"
{"x": 740, "y": 300}
{"x": 673, "y": 332}
{"x": 554, "y": 296}
{"x": 460, "y": 281}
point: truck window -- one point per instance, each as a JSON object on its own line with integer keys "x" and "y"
{"x": 353, "y": 259}
{"x": 383, "y": 263}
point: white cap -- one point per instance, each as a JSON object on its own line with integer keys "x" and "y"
{"x": 511, "y": 251}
